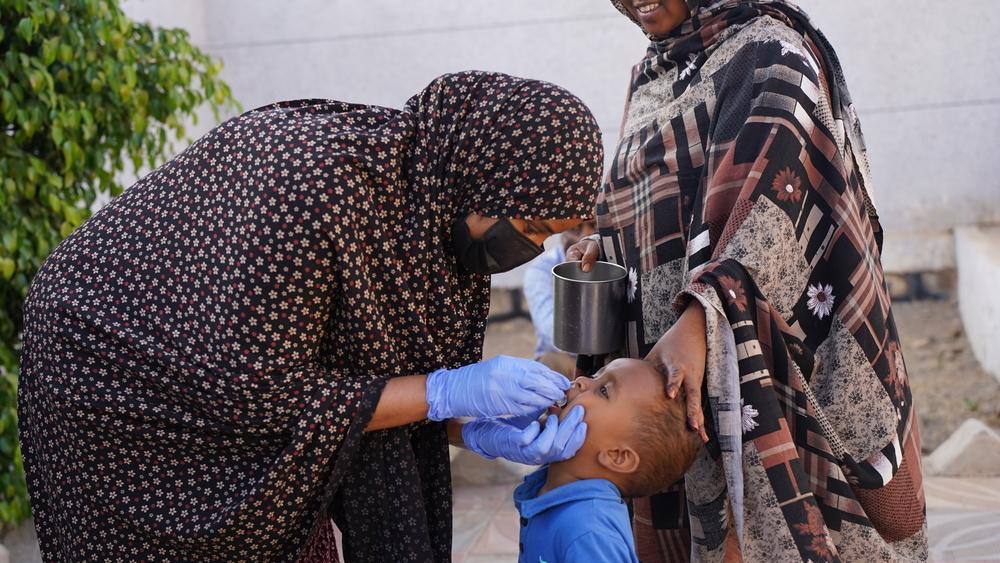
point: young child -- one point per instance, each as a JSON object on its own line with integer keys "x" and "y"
{"x": 637, "y": 443}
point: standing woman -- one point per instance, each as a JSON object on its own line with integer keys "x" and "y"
{"x": 738, "y": 201}
{"x": 203, "y": 357}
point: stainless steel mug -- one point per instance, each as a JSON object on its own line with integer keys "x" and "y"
{"x": 588, "y": 312}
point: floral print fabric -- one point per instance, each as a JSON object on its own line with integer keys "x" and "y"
{"x": 202, "y": 356}
{"x": 741, "y": 180}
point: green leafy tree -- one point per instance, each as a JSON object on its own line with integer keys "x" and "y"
{"x": 84, "y": 92}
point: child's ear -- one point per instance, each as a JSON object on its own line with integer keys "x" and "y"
{"x": 620, "y": 460}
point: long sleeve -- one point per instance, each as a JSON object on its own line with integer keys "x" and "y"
{"x": 539, "y": 293}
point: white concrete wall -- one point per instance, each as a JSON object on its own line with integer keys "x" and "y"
{"x": 978, "y": 258}
{"x": 186, "y": 14}
{"x": 925, "y": 77}
{"x": 923, "y": 74}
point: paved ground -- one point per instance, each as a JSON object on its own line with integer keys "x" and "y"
{"x": 948, "y": 383}
{"x": 964, "y": 517}
{"x": 964, "y": 514}
{"x": 949, "y": 386}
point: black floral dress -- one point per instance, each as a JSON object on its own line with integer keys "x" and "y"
{"x": 202, "y": 356}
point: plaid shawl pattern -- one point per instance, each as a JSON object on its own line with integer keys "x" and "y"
{"x": 741, "y": 180}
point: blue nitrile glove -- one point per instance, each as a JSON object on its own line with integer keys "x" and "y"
{"x": 496, "y": 387}
{"x": 559, "y": 440}
{"x": 522, "y": 422}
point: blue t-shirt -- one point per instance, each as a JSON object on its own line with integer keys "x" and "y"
{"x": 583, "y": 521}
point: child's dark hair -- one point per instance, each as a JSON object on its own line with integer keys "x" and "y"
{"x": 665, "y": 444}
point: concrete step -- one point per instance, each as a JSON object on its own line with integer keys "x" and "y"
{"x": 977, "y": 257}
{"x": 971, "y": 451}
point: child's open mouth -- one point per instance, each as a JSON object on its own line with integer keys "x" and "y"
{"x": 558, "y": 406}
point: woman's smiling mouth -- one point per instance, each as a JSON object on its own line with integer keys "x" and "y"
{"x": 645, "y": 8}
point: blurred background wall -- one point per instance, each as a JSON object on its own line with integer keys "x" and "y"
{"x": 923, "y": 82}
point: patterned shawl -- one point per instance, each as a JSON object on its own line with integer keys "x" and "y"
{"x": 202, "y": 356}
{"x": 741, "y": 180}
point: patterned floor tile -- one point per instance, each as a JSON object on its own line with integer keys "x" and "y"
{"x": 482, "y": 497}
{"x": 501, "y": 535}
{"x": 962, "y": 493}
{"x": 467, "y": 527}
{"x": 963, "y": 517}
{"x": 490, "y": 558}
{"x": 965, "y": 536}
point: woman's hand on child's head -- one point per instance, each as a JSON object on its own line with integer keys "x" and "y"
{"x": 681, "y": 353}
{"x": 532, "y": 445}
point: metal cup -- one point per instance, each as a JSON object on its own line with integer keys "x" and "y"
{"x": 588, "y": 315}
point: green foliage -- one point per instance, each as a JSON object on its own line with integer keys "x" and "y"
{"x": 84, "y": 91}
{"x": 971, "y": 405}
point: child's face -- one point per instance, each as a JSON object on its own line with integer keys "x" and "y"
{"x": 611, "y": 400}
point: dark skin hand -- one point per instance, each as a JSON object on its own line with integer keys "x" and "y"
{"x": 586, "y": 251}
{"x": 572, "y": 236}
{"x": 680, "y": 353}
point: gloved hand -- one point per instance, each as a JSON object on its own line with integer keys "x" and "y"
{"x": 522, "y": 422}
{"x": 496, "y": 387}
{"x": 559, "y": 440}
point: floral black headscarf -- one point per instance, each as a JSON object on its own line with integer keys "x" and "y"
{"x": 202, "y": 356}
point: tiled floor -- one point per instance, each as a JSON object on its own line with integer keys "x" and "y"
{"x": 486, "y": 524}
{"x": 964, "y": 514}
{"x": 964, "y": 517}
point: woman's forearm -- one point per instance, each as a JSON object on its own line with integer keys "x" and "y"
{"x": 692, "y": 320}
{"x": 403, "y": 401}
{"x": 496, "y": 387}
